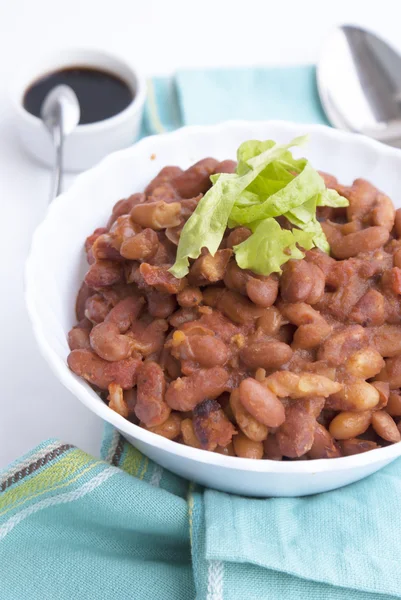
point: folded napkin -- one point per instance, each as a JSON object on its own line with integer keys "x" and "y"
{"x": 215, "y": 95}
{"x": 75, "y": 527}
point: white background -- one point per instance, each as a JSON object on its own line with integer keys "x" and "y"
{"x": 159, "y": 36}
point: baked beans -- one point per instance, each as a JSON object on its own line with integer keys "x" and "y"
{"x": 301, "y": 365}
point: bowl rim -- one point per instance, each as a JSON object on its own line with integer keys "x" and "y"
{"x": 82, "y": 390}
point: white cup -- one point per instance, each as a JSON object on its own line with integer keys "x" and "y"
{"x": 87, "y": 144}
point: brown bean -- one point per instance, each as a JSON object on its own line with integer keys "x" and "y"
{"x": 356, "y": 446}
{"x": 150, "y": 407}
{"x": 235, "y": 278}
{"x": 354, "y": 396}
{"x": 246, "y": 448}
{"x": 393, "y": 406}
{"x": 342, "y": 344}
{"x": 319, "y": 367}
{"x": 300, "y": 385}
{"x": 397, "y": 223}
{"x": 196, "y": 179}
{"x": 106, "y": 248}
{"x": 370, "y": 309}
{"x": 125, "y": 312}
{"x": 164, "y": 192}
{"x": 209, "y": 269}
{"x": 233, "y": 305}
{"x": 348, "y": 425}
{"x": 83, "y": 295}
{"x": 312, "y": 327}
{"x": 397, "y": 258}
{"x": 246, "y": 422}
{"x": 385, "y": 426}
{"x": 141, "y": 246}
{"x": 364, "y": 363}
{"x": 383, "y": 214}
{"x": 296, "y": 434}
{"x": 78, "y": 336}
{"x": 100, "y": 372}
{"x": 165, "y": 254}
{"x": 226, "y": 450}
{"x": 262, "y": 291}
{"x": 161, "y": 279}
{"x": 268, "y": 355}
{"x": 91, "y": 239}
{"x": 165, "y": 175}
{"x": 323, "y": 444}
{"x": 104, "y": 273}
{"x": 271, "y": 448}
{"x": 106, "y": 338}
{"x": 226, "y": 166}
{"x": 184, "y": 315}
{"x": 206, "y": 350}
{"x": 361, "y": 196}
{"x": 321, "y": 259}
{"x": 361, "y": 241}
{"x": 387, "y": 340}
{"x": 157, "y": 215}
{"x": 311, "y": 335}
{"x": 97, "y": 308}
{"x": 270, "y": 321}
{"x": 237, "y": 236}
{"x": 160, "y": 305}
{"x": 261, "y": 403}
{"x": 211, "y": 426}
{"x": 124, "y": 207}
{"x": 123, "y": 229}
{"x": 190, "y": 296}
{"x": 296, "y": 281}
{"x": 169, "y": 364}
{"x": 318, "y": 284}
{"x": 170, "y": 429}
{"x": 148, "y": 338}
{"x": 313, "y": 405}
{"x": 383, "y": 388}
{"x": 188, "y": 434}
{"x": 117, "y": 401}
{"x": 391, "y": 372}
{"x": 186, "y": 392}
{"x": 109, "y": 344}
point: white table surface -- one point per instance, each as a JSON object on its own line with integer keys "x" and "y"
{"x": 159, "y": 36}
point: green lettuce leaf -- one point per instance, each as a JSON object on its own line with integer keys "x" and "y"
{"x": 206, "y": 226}
{"x": 304, "y": 217}
{"x": 269, "y": 182}
{"x": 300, "y": 189}
{"x": 269, "y": 247}
{"x": 331, "y": 198}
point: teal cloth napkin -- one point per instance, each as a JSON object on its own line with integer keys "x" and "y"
{"x": 212, "y": 96}
{"x": 75, "y": 527}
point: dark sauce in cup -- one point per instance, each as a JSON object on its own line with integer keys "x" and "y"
{"x": 101, "y": 94}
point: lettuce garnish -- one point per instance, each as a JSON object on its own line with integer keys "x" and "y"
{"x": 269, "y": 182}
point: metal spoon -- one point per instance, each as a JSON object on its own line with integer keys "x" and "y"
{"x": 359, "y": 83}
{"x": 60, "y": 113}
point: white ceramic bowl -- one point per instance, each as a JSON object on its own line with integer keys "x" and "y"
{"x": 87, "y": 144}
{"x": 56, "y": 266}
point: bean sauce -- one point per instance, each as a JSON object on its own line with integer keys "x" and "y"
{"x": 101, "y": 94}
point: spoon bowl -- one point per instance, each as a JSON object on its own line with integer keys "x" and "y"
{"x": 359, "y": 83}
{"x": 61, "y": 110}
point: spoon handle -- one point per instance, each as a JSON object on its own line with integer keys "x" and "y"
{"x": 58, "y": 141}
